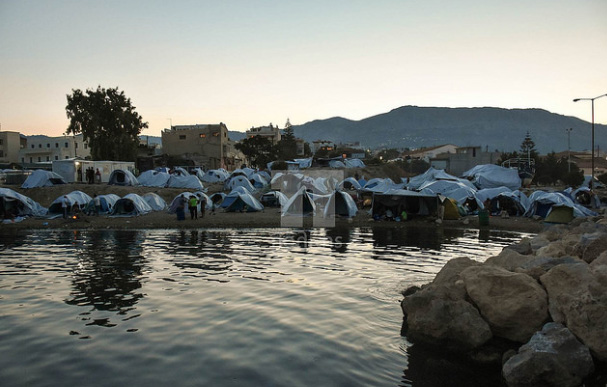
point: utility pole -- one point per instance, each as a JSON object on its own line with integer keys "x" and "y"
{"x": 569, "y": 149}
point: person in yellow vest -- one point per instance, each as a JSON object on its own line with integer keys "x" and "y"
{"x": 193, "y": 206}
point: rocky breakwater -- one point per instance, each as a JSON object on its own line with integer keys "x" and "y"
{"x": 537, "y": 311}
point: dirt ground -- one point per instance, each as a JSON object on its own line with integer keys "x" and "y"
{"x": 270, "y": 217}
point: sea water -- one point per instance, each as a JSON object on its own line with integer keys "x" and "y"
{"x": 253, "y": 307}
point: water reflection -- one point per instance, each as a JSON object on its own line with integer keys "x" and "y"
{"x": 339, "y": 238}
{"x": 109, "y": 271}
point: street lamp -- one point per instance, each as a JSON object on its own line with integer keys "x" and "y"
{"x": 568, "y": 130}
{"x": 592, "y": 101}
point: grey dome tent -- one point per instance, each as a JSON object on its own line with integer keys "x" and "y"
{"x": 41, "y": 178}
{"x": 106, "y": 202}
{"x": 155, "y": 201}
{"x": 15, "y": 204}
{"x": 78, "y": 198}
{"x": 340, "y": 203}
{"x": 131, "y": 205}
{"x": 122, "y": 177}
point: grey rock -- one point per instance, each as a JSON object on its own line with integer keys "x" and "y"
{"x": 509, "y": 259}
{"x": 541, "y": 265}
{"x": 553, "y": 357}
{"x": 523, "y": 247}
{"x": 514, "y": 304}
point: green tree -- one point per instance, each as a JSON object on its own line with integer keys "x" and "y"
{"x": 258, "y": 150}
{"x": 528, "y": 147}
{"x": 287, "y": 147}
{"x": 108, "y": 123}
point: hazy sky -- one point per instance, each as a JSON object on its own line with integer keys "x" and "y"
{"x": 248, "y": 63}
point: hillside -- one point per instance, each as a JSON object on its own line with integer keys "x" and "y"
{"x": 495, "y": 128}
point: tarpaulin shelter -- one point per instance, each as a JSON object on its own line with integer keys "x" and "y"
{"x": 131, "y": 205}
{"x": 214, "y": 176}
{"x": 491, "y": 176}
{"x": 274, "y": 199}
{"x": 354, "y": 163}
{"x": 42, "y": 178}
{"x": 397, "y": 200}
{"x": 123, "y": 177}
{"x": 240, "y": 181}
{"x": 542, "y": 203}
{"x": 450, "y": 207}
{"x": 229, "y": 198}
{"x": 349, "y": 183}
{"x": 14, "y": 204}
{"x": 244, "y": 202}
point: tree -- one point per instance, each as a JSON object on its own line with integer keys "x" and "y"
{"x": 528, "y": 147}
{"x": 287, "y": 147}
{"x": 108, "y": 122}
{"x": 258, "y": 150}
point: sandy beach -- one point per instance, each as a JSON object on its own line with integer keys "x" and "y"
{"x": 270, "y": 217}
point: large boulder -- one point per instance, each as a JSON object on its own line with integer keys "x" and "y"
{"x": 578, "y": 298}
{"x": 538, "y": 242}
{"x": 435, "y": 319}
{"x": 553, "y": 357}
{"x": 591, "y": 246}
{"x": 523, "y": 247}
{"x": 509, "y": 259}
{"x": 538, "y": 266}
{"x": 514, "y": 304}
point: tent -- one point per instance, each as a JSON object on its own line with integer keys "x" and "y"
{"x": 240, "y": 181}
{"x": 216, "y": 199}
{"x": 301, "y": 203}
{"x": 14, "y": 204}
{"x": 450, "y": 206}
{"x": 180, "y": 171}
{"x": 107, "y": 202}
{"x": 349, "y": 183}
{"x": 340, "y": 203}
{"x": 247, "y": 172}
{"x": 397, "y": 200}
{"x": 451, "y": 189}
{"x": 491, "y": 176}
{"x": 354, "y": 163}
{"x": 229, "y": 198}
{"x": 41, "y": 178}
{"x": 203, "y": 197}
{"x": 336, "y": 164}
{"x": 244, "y": 202}
{"x": 131, "y": 205}
{"x": 78, "y": 198}
{"x": 274, "y": 199}
{"x": 122, "y": 177}
{"x": 155, "y": 201}
{"x": 214, "y": 176}
{"x": 560, "y": 214}
{"x": 153, "y": 178}
{"x": 432, "y": 175}
{"x": 184, "y": 181}
{"x": 542, "y": 203}
{"x": 257, "y": 180}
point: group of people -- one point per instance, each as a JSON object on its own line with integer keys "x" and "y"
{"x": 192, "y": 203}
{"x": 92, "y": 176}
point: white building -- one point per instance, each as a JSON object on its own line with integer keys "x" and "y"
{"x": 41, "y": 149}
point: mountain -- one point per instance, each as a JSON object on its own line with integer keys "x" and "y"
{"x": 495, "y": 128}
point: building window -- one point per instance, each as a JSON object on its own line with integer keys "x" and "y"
{"x": 32, "y": 146}
{"x": 23, "y": 159}
{"x": 203, "y": 135}
{"x": 1, "y": 153}
{"x": 39, "y": 145}
{"x": 48, "y": 145}
{"x": 56, "y": 157}
{"x": 56, "y": 145}
{"x": 215, "y": 134}
{"x": 48, "y": 158}
{"x": 66, "y": 157}
{"x": 39, "y": 160}
{"x": 182, "y": 136}
{"x": 31, "y": 161}
{"x": 1, "y": 141}
{"x": 76, "y": 145}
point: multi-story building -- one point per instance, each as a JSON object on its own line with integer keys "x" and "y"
{"x": 322, "y": 145}
{"x": 10, "y": 144}
{"x": 40, "y": 149}
{"x": 270, "y": 132}
{"x": 206, "y": 145}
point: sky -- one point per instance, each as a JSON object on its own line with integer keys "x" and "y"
{"x": 251, "y": 63}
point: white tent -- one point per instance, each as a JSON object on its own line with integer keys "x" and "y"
{"x": 258, "y": 180}
{"x": 217, "y": 198}
{"x": 123, "y": 177}
{"x": 106, "y": 203}
{"x": 448, "y": 188}
{"x": 214, "y": 176}
{"x": 203, "y": 197}
{"x": 274, "y": 199}
{"x": 41, "y": 178}
{"x": 349, "y": 183}
{"x": 16, "y": 204}
{"x": 185, "y": 181}
{"x": 75, "y": 197}
{"x": 338, "y": 164}
{"x": 243, "y": 172}
{"x": 240, "y": 181}
{"x": 153, "y": 178}
{"x": 340, "y": 203}
{"x": 433, "y": 174}
{"x": 229, "y": 198}
{"x": 244, "y": 202}
{"x": 541, "y": 204}
{"x": 301, "y": 203}
{"x": 492, "y": 176}
{"x": 354, "y": 163}
{"x": 131, "y": 205}
{"x": 155, "y": 201}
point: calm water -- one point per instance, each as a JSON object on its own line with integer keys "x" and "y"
{"x": 256, "y": 307}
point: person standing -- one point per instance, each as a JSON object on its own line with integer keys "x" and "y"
{"x": 203, "y": 205}
{"x": 98, "y": 176}
{"x": 65, "y": 205}
{"x": 180, "y": 210}
{"x": 193, "y": 206}
{"x": 97, "y": 203}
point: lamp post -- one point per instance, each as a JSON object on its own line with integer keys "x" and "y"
{"x": 592, "y": 101}
{"x": 568, "y": 130}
